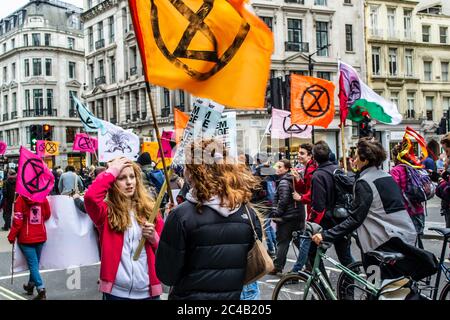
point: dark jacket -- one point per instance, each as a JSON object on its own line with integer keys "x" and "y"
{"x": 284, "y": 206}
{"x": 204, "y": 255}
{"x": 9, "y": 193}
{"x": 323, "y": 194}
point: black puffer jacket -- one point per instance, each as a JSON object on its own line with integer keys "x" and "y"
{"x": 284, "y": 206}
{"x": 203, "y": 256}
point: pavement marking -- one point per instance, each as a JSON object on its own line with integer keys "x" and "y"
{"x": 6, "y": 296}
{"x": 11, "y": 293}
{"x": 26, "y": 274}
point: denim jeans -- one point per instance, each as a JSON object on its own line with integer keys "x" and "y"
{"x": 270, "y": 236}
{"x": 305, "y": 243}
{"x": 32, "y": 253}
{"x": 107, "y": 296}
{"x": 251, "y": 292}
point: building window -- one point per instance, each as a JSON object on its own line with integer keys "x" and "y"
{"x": 48, "y": 67}
{"x": 13, "y": 70}
{"x": 294, "y": 30}
{"x": 27, "y": 67}
{"x": 392, "y": 62}
{"x": 14, "y": 104}
{"x": 100, "y": 30}
{"x": 100, "y": 110}
{"x": 429, "y": 107}
{"x": 394, "y": 98}
{"x": 322, "y": 38}
{"x": 47, "y": 38}
{"x": 37, "y": 67}
{"x": 446, "y": 105}
{"x": 5, "y": 103}
{"x": 25, "y": 40}
{"x": 36, "y": 37}
{"x": 4, "y": 47}
{"x": 374, "y": 20}
{"x": 320, "y": 2}
{"x": 409, "y": 62}
{"x": 111, "y": 29}
{"x": 426, "y": 33}
{"x": 407, "y": 18}
{"x": 348, "y": 37}
{"x": 443, "y": 34}
{"x": 268, "y": 21}
{"x": 13, "y": 43}
{"x": 166, "y": 98}
{"x": 427, "y": 69}
{"x": 101, "y": 68}
{"x": 91, "y": 74}
{"x": 91, "y": 39}
{"x": 72, "y": 108}
{"x": 27, "y": 100}
{"x": 71, "y": 43}
{"x": 391, "y": 22}
{"x": 113, "y": 69}
{"x": 376, "y": 60}
{"x": 348, "y": 1}
{"x": 49, "y": 101}
{"x": 5, "y": 74}
{"x": 444, "y": 71}
{"x": 410, "y": 101}
{"x": 72, "y": 70}
{"x": 38, "y": 101}
{"x": 324, "y": 75}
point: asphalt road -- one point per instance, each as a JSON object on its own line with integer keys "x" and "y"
{"x": 81, "y": 283}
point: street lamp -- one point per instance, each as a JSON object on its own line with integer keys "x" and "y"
{"x": 310, "y": 64}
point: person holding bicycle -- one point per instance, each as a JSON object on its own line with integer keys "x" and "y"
{"x": 379, "y": 217}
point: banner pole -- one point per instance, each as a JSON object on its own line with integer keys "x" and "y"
{"x": 14, "y": 244}
{"x": 158, "y": 138}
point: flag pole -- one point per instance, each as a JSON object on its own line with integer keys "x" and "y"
{"x": 344, "y": 156}
{"x": 158, "y": 138}
{"x": 14, "y": 243}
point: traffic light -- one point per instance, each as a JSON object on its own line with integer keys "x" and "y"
{"x": 36, "y": 133}
{"x": 365, "y": 130}
{"x": 47, "y": 132}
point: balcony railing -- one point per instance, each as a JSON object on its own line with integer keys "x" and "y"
{"x": 40, "y": 113}
{"x": 165, "y": 112}
{"x": 127, "y": 117}
{"x": 297, "y": 46}
{"x": 113, "y": 120}
{"x": 13, "y": 115}
{"x": 133, "y": 71}
{"x": 410, "y": 114}
{"x": 295, "y": 1}
{"x": 100, "y": 80}
{"x": 180, "y": 107}
{"x": 73, "y": 113}
{"x": 5, "y": 117}
{"x": 144, "y": 115}
{"x": 99, "y": 44}
{"x": 134, "y": 117}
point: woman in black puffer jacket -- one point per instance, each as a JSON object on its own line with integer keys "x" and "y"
{"x": 203, "y": 248}
{"x": 288, "y": 214}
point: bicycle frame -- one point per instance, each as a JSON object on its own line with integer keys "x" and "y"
{"x": 316, "y": 275}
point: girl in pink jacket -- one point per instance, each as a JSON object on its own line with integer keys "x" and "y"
{"x": 120, "y": 208}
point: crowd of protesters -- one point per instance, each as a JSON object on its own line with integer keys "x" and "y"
{"x": 199, "y": 244}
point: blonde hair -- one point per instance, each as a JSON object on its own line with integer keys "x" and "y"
{"x": 118, "y": 211}
{"x": 232, "y": 183}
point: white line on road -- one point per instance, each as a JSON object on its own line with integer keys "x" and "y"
{"x": 6, "y": 296}
{"x": 11, "y": 293}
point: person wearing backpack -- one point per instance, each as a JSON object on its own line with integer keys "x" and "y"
{"x": 379, "y": 217}
{"x": 144, "y": 161}
{"x": 414, "y": 208}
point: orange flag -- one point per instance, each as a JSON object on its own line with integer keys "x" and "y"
{"x": 181, "y": 120}
{"x": 312, "y": 101}
{"x": 213, "y": 49}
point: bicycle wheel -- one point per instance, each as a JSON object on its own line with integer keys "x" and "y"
{"x": 349, "y": 289}
{"x": 292, "y": 287}
{"x": 445, "y": 293}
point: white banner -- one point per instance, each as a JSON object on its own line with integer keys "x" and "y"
{"x": 202, "y": 123}
{"x": 115, "y": 142}
{"x": 71, "y": 238}
{"x": 226, "y": 130}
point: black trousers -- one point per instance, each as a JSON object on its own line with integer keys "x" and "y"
{"x": 284, "y": 238}
{"x": 7, "y": 213}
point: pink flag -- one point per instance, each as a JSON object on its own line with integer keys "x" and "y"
{"x": 34, "y": 179}
{"x": 283, "y": 129}
{"x": 3, "y": 147}
{"x": 168, "y": 143}
{"x": 40, "y": 148}
{"x": 83, "y": 142}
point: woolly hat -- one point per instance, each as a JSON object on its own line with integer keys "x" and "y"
{"x": 144, "y": 159}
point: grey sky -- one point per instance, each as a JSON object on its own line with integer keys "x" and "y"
{"x": 9, "y": 6}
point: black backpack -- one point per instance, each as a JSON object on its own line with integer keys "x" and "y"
{"x": 343, "y": 193}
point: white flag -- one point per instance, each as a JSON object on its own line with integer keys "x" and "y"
{"x": 116, "y": 142}
{"x": 226, "y": 131}
{"x": 283, "y": 129}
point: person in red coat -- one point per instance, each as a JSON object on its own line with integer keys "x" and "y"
{"x": 303, "y": 185}
{"x": 120, "y": 207}
{"x": 29, "y": 228}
